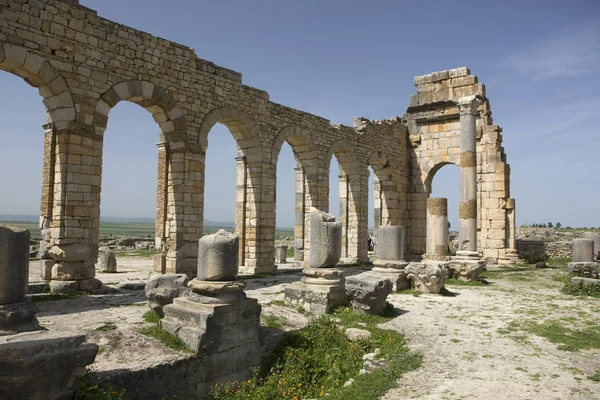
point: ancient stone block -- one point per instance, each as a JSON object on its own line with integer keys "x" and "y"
{"x": 466, "y": 270}
{"x": 428, "y": 276}
{"x": 218, "y": 256}
{"x": 280, "y": 254}
{"x": 584, "y": 269}
{"x": 368, "y": 292}
{"x": 43, "y": 365}
{"x": 107, "y": 261}
{"x": 14, "y": 264}
{"x": 162, "y": 289}
{"x": 325, "y": 240}
{"x": 583, "y": 250}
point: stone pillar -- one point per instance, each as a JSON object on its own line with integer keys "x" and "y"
{"x": 281, "y": 254}
{"x": 583, "y": 250}
{"x": 299, "y": 216}
{"x": 162, "y": 198}
{"x": 322, "y": 287}
{"x": 344, "y": 213}
{"x": 467, "y": 237}
{"x": 17, "y": 313}
{"x": 596, "y": 238}
{"x": 390, "y": 256}
{"x": 437, "y": 229}
{"x": 583, "y": 263}
{"x": 510, "y": 252}
{"x": 240, "y": 206}
{"x": 217, "y": 320}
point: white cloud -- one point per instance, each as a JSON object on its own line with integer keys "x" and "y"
{"x": 571, "y": 51}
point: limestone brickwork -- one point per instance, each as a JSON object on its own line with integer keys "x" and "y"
{"x": 84, "y": 65}
{"x": 433, "y": 121}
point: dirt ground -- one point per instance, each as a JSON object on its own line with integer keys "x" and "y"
{"x": 475, "y": 343}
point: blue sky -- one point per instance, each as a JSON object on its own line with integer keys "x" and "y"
{"x": 540, "y": 62}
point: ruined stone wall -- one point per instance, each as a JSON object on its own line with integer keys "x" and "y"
{"x": 84, "y": 65}
{"x": 536, "y": 250}
{"x": 434, "y": 128}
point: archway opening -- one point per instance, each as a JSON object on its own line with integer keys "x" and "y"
{"x": 374, "y": 210}
{"x": 445, "y": 183}
{"x": 220, "y": 181}
{"x": 129, "y": 181}
{"x": 21, "y": 154}
{"x": 287, "y": 227}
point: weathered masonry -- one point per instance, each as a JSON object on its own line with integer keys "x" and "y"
{"x": 83, "y": 65}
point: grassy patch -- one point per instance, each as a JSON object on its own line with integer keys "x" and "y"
{"x": 166, "y": 338}
{"x": 158, "y": 333}
{"x": 276, "y": 303}
{"x": 107, "y": 327}
{"x": 567, "y": 339}
{"x": 595, "y": 377}
{"x": 273, "y": 321}
{"x": 579, "y": 289}
{"x": 316, "y": 361}
{"x": 86, "y": 390}
{"x": 56, "y": 296}
{"x": 414, "y": 291}
{"x": 151, "y": 316}
{"x": 458, "y": 282}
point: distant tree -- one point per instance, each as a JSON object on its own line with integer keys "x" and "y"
{"x": 550, "y": 225}
{"x": 544, "y": 225}
{"x": 558, "y": 224}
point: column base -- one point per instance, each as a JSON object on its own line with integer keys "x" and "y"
{"x": 316, "y": 298}
{"x": 212, "y": 328}
{"x": 510, "y": 257}
{"x": 18, "y": 317}
{"x": 466, "y": 270}
{"x": 43, "y": 365}
{"x": 394, "y": 270}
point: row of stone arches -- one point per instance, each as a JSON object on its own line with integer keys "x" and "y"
{"x": 74, "y": 134}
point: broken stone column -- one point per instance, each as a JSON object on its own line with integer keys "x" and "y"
{"x": 510, "y": 253}
{"x": 427, "y": 276}
{"x": 583, "y": 263}
{"x": 33, "y": 365}
{"x": 596, "y": 238}
{"x": 107, "y": 261}
{"x": 467, "y": 234}
{"x": 280, "y": 254}
{"x": 322, "y": 287}
{"x": 437, "y": 229}
{"x": 17, "y": 313}
{"x": 390, "y": 256}
{"x": 217, "y": 320}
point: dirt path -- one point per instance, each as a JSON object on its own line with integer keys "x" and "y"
{"x": 473, "y": 347}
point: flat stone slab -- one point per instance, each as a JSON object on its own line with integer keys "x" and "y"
{"x": 577, "y": 280}
{"x": 132, "y": 285}
{"x": 42, "y": 365}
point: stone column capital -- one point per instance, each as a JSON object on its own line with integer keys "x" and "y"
{"x": 468, "y": 105}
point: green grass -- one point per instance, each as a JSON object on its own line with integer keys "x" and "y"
{"x": 38, "y": 298}
{"x": 158, "y": 333}
{"x": 415, "y": 292}
{"x": 316, "y": 361}
{"x": 107, "y": 327}
{"x": 151, "y": 316}
{"x": 86, "y": 390}
{"x": 458, "y": 282}
{"x": 166, "y": 338}
{"x": 567, "y": 339}
{"x": 595, "y": 377}
{"x": 273, "y": 321}
{"x": 579, "y": 289}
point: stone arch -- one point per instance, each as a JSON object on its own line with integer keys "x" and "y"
{"x": 344, "y": 153}
{"x": 300, "y": 141}
{"x": 430, "y": 172}
{"x": 242, "y": 129}
{"x": 165, "y": 111}
{"x": 249, "y": 196}
{"x": 39, "y": 73}
{"x": 172, "y": 125}
{"x": 306, "y": 181}
{"x": 352, "y": 184}
{"x": 60, "y": 114}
